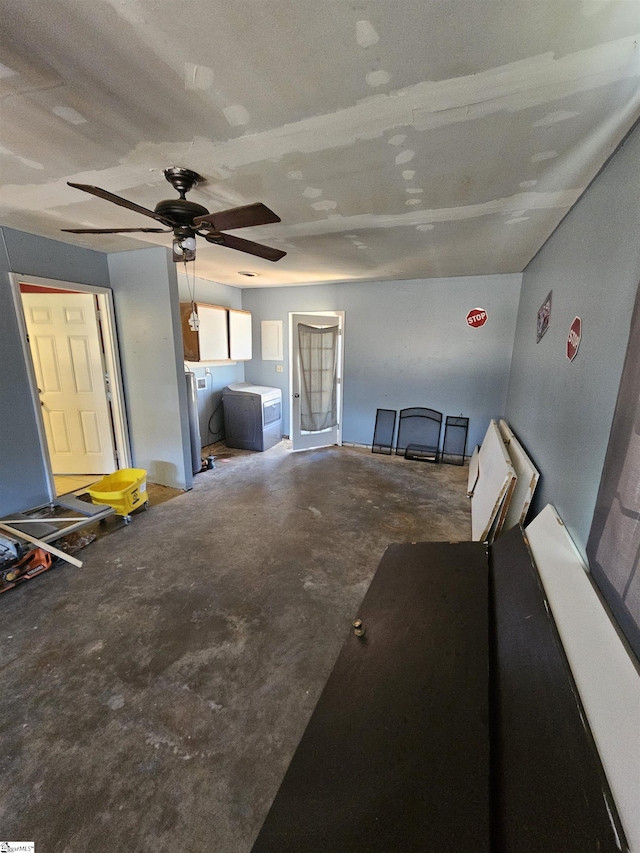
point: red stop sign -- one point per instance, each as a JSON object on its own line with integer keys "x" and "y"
{"x": 573, "y": 339}
{"x": 477, "y": 317}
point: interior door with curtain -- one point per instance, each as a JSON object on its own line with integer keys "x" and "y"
{"x": 316, "y": 359}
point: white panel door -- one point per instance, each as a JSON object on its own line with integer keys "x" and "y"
{"x": 303, "y": 439}
{"x": 65, "y": 346}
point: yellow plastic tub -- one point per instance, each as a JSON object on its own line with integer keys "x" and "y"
{"x": 124, "y": 490}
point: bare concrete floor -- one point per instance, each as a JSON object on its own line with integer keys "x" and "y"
{"x": 151, "y": 701}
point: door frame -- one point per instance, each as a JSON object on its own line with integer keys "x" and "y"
{"x": 112, "y": 366}
{"x": 341, "y": 315}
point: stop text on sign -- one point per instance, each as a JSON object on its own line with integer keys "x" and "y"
{"x": 477, "y": 317}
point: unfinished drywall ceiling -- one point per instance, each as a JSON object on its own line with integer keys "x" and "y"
{"x": 394, "y": 139}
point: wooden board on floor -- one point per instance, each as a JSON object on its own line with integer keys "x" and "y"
{"x": 527, "y": 478}
{"x": 498, "y": 518}
{"x": 396, "y": 754}
{"x": 548, "y": 781}
{"x": 473, "y": 471}
{"x": 495, "y": 480}
{"x": 498, "y": 525}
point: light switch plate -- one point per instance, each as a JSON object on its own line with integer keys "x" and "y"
{"x": 279, "y": 368}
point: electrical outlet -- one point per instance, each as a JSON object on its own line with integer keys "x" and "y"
{"x": 279, "y": 368}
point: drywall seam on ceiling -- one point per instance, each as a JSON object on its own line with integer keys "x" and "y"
{"x": 555, "y": 117}
{"x": 516, "y": 86}
{"x": 529, "y": 201}
{"x": 197, "y": 77}
{"x": 366, "y": 34}
{"x": 31, "y": 164}
{"x": 518, "y": 203}
{"x": 513, "y": 87}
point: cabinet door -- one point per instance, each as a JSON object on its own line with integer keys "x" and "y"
{"x": 239, "y": 335}
{"x": 214, "y": 339}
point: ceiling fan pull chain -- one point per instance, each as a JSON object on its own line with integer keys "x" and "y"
{"x": 194, "y": 320}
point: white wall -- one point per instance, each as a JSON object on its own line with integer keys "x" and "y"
{"x": 407, "y": 343}
{"x": 147, "y": 305}
{"x": 563, "y": 411}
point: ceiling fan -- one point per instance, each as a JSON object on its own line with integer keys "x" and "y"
{"x": 187, "y": 218}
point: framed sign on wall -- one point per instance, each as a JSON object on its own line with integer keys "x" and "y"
{"x": 544, "y": 316}
{"x": 573, "y": 338}
{"x": 476, "y": 318}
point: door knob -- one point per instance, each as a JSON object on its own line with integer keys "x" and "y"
{"x": 296, "y": 395}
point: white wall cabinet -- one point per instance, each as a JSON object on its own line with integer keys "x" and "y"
{"x": 223, "y": 334}
{"x": 239, "y": 335}
{"x": 213, "y": 334}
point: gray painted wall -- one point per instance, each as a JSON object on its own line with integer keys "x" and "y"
{"x": 147, "y": 305}
{"x": 562, "y": 411}
{"x": 22, "y": 473}
{"x": 407, "y": 343}
{"x": 216, "y": 376}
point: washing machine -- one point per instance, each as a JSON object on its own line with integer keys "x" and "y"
{"x": 252, "y": 416}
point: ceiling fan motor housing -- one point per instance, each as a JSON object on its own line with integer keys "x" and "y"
{"x": 180, "y": 211}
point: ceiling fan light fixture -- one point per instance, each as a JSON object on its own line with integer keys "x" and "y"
{"x": 182, "y": 252}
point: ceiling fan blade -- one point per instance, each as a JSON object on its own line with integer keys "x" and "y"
{"x": 116, "y": 230}
{"x": 238, "y": 217}
{"x": 116, "y": 199}
{"x": 247, "y": 246}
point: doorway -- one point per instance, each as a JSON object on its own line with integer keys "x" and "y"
{"x": 316, "y": 360}
{"x": 70, "y": 348}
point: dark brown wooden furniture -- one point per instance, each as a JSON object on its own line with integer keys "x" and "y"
{"x": 397, "y": 749}
{"x": 452, "y": 724}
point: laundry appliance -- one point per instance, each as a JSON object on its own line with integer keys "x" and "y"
{"x": 252, "y": 416}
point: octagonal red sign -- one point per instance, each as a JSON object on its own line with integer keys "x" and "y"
{"x": 573, "y": 339}
{"x": 477, "y": 317}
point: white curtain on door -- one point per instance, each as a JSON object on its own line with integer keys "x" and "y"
{"x": 318, "y": 372}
